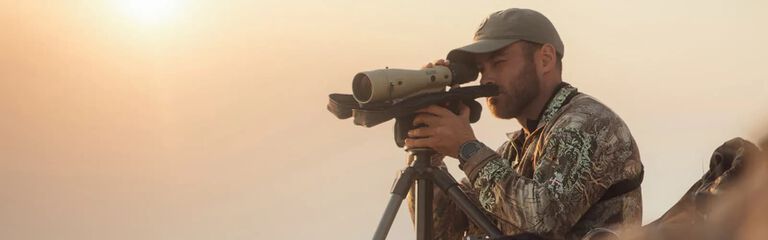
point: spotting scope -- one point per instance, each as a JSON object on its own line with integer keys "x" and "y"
{"x": 393, "y": 85}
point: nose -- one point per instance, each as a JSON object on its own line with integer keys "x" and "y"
{"x": 484, "y": 79}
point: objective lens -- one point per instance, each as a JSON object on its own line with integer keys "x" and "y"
{"x": 362, "y": 88}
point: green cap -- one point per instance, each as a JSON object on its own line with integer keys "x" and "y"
{"x": 506, "y": 27}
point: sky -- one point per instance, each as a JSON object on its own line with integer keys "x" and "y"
{"x": 175, "y": 119}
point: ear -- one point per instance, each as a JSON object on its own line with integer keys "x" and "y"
{"x": 547, "y": 61}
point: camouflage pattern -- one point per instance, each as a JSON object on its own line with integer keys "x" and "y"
{"x": 550, "y": 181}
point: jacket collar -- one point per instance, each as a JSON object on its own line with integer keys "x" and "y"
{"x": 563, "y": 94}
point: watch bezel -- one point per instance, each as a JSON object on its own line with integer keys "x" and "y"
{"x": 465, "y": 152}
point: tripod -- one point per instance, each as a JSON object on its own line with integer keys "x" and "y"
{"x": 424, "y": 176}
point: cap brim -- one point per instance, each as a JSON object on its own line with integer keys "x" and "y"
{"x": 466, "y": 54}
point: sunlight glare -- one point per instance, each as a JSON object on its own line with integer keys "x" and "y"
{"x": 149, "y": 11}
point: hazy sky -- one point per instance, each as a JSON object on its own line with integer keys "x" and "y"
{"x": 206, "y": 119}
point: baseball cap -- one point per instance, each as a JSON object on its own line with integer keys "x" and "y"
{"x": 505, "y": 27}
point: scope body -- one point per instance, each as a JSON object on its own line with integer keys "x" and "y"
{"x": 390, "y": 84}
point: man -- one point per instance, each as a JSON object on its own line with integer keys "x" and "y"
{"x": 573, "y": 167}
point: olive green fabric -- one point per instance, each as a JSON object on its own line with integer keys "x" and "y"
{"x": 506, "y": 27}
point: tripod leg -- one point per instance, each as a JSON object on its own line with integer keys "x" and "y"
{"x": 399, "y": 191}
{"x": 424, "y": 194}
{"x": 424, "y": 209}
{"x": 449, "y": 185}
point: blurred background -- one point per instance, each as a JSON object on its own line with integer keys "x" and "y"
{"x": 172, "y": 119}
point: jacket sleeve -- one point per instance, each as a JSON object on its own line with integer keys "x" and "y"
{"x": 578, "y": 161}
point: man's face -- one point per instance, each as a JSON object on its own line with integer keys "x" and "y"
{"x": 515, "y": 74}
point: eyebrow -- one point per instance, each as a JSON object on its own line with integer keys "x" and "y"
{"x": 497, "y": 53}
{"x": 494, "y": 54}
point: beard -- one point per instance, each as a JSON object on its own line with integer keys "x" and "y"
{"x": 514, "y": 97}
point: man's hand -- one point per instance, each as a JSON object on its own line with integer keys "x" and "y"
{"x": 444, "y": 131}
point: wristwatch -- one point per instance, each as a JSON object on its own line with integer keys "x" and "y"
{"x": 467, "y": 150}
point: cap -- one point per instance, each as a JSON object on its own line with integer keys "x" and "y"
{"x": 506, "y": 27}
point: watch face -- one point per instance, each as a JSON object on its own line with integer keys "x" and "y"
{"x": 468, "y": 149}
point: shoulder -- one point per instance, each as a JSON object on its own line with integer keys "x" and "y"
{"x": 592, "y": 127}
{"x": 589, "y": 129}
{"x": 587, "y": 116}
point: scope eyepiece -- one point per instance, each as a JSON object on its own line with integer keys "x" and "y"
{"x": 463, "y": 73}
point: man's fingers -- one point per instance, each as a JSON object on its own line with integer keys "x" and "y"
{"x": 421, "y": 132}
{"x": 442, "y": 62}
{"x": 418, "y": 142}
{"x": 439, "y": 62}
{"x": 425, "y": 119}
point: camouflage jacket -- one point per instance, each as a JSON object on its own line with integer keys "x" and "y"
{"x": 549, "y": 180}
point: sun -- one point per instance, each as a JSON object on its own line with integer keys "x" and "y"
{"x": 149, "y": 11}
